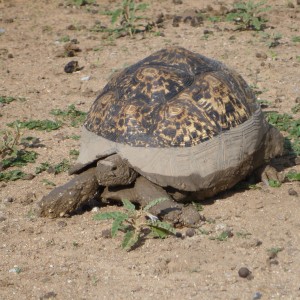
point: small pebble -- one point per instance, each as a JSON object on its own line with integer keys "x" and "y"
{"x": 292, "y": 192}
{"x": 15, "y": 269}
{"x": 257, "y": 296}
{"x": 106, "y": 233}
{"x": 85, "y": 78}
{"x": 2, "y": 218}
{"x": 297, "y": 100}
{"x": 10, "y": 55}
{"x": 71, "y": 66}
{"x": 95, "y": 209}
{"x": 2, "y": 30}
{"x": 244, "y": 272}
{"x": 8, "y": 200}
{"x": 178, "y": 234}
{"x": 28, "y": 176}
{"x": 62, "y": 224}
{"x": 190, "y": 232}
{"x": 177, "y": 1}
{"x": 261, "y": 55}
{"x": 49, "y": 295}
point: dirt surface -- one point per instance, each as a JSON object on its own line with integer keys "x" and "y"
{"x": 70, "y": 258}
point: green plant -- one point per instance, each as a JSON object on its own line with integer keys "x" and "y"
{"x": 135, "y": 223}
{"x": 64, "y": 39}
{"x": 63, "y": 166}
{"x": 19, "y": 158}
{"x": 273, "y": 55}
{"x": 8, "y": 142}
{"x": 296, "y": 39}
{"x": 274, "y": 250}
{"x": 6, "y": 100}
{"x": 46, "y": 125}
{"x": 296, "y": 109}
{"x": 129, "y": 20}
{"x": 198, "y": 206}
{"x": 74, "y": 153}
{"x": 12, "y": 175}
{"x": 293, "y": 176}
{"x": 223, "y": 236}
{"x": 247, "y": 15}
{"x": 274, "y": 183}
{"x": 48, "y": 182}
{"x": 242, "y": 234}
{"x": 72, "y": 114}
{"x": 274, "y": 40}
{"x": 42, "y": 167}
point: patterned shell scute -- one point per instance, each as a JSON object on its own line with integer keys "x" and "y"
{"x": 173, "y": 98}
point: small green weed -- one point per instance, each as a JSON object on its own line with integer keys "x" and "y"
{"x": 63, "y": 166}
{"x": 74, "y": 137}
{"x": 223, "y": 236}
{"x": 296, "y": 39}
{"x": 136, "y": 222}
{"x": 247, "y": 15}
{"x": 198, "y": 206}
{"x": 296, "y": 109}
{"x": 48, "y": 182}
{"x": 19, "y": 158}
{"x": 43, "y": 125}
{"x": 75, "y": 116}
{"x": 12, "y": 175}
{"x": 9, "y": 141}
{"x": 74, "y": 153}
{"x": 274, "y": 40}
{"x": 64, "y": 39}
{"x": 7, "y": 100}
{"x": 274, "y": 250}
{"x": 274, "y": 183}
{"x": 42, "y": 167}
{"x": 129, "y": 20}
{"x": 293, "y": 176}
{"x": 243, "y": 235}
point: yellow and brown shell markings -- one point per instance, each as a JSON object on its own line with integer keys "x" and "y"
{"x": 173, "y": 98}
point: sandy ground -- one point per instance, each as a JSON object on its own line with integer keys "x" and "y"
{"x": 70, "y": 258}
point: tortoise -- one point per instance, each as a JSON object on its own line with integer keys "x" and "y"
{"x": 176, "y": 125}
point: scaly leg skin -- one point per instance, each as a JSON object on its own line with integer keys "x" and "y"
{"x": 65, "y": 199}
{"x": 144, "y": 191}
{"x": 272, "y": 146}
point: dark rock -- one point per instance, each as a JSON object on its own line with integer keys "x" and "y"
{"x": 72, "y": 66}
{"x": 292, "y": 192}
{"x": 190, "y": 232}
{"x": 106, "y": 233}
{"x": 244, "y": 272}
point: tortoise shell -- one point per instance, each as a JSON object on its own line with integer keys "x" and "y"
{"x": 173, "y": 98}
{"x": 180, "y": 119}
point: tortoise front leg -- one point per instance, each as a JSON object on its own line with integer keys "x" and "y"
{"x": 65, "y": 199}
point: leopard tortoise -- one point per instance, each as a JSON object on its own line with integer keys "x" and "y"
{"x": 176, "y": 125}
